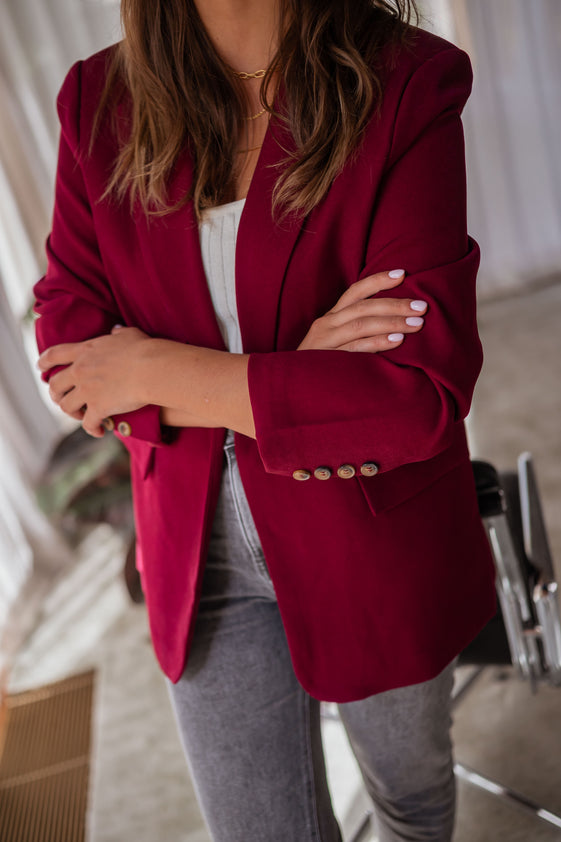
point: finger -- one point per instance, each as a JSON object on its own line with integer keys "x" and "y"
{"x": 374, "y": 344}
{"x": 92, "y": 424}
{"x": 58, "y": 355}
{"x": 365, "y": 287}
{"x": 61, "y": 383}
{"x": 131, "y": 332}
{"x": 326, "y": 334}
{"x": 73, "y": 403}
{"x": 378, "y": 307}
{"x": 363, "y": 328}
{"x": 78, "y": 416}
{"x": 57, "y": 396}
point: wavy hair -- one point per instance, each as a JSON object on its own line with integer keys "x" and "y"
{"x": 181, "y": 91}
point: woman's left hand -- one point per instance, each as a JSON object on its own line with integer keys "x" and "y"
{"x": 102, "y": 376}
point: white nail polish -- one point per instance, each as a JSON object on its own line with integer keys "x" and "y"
{"x": 418, "y": 305}
{"x": 395, "y": 337}
{"x": 414, "y": 321}
{"x": 395, "y": 273}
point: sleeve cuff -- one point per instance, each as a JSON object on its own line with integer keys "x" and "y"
{"x": 143, "y": 424}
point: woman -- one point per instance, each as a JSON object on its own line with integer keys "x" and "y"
{"x": 311, "y": 147}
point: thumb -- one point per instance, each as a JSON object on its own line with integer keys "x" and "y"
{"x": 116, "y": 328}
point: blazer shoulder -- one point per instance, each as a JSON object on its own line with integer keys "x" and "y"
{"x": 423, "y": 80}
{"x": 423, "y": 53}
{"x": 424, "y": 44}
{"x": 81, "y": 91}
{"x": 96, "y": 67}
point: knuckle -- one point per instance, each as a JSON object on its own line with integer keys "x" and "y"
{"x": 357, "y": 324}
{"x": 372, "y": 345}
{"x": 64, "y": 403}
{"x": 80, "y": 366}
{"x": 364, "y": 305}
{"x": 355, "y": 345}
{"x": 314, "y": 329}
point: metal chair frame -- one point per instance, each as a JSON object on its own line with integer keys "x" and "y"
{"x": 510, "y": 508}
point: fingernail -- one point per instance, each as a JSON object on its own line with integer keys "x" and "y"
{"x": 396, "y": 273}
{"x": 418, "y": 305}
{"x": 395, "y": 337}
{"x": 414, "y": 321}
{"x": 114, "y": 326}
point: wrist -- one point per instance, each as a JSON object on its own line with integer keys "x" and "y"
{"x": 165, "y": 371}
{"x": 150, "y": 369}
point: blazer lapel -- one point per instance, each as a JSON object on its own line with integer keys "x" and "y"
{"x": 264, "y": 247}
{"x": 172, "y": 256}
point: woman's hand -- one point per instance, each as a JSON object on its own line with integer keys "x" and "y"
{"x": 102, "y": 376}
{"x": 360, "y": 323}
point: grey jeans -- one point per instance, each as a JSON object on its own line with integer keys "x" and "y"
{"x": 251, "y": 734}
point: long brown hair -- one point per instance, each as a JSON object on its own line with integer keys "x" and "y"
{"x": 181, "y": 92}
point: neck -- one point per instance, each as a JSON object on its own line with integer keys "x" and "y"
{"x": 244, "y": 32}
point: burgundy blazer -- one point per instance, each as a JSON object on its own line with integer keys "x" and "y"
{"x": 381, "y": 579}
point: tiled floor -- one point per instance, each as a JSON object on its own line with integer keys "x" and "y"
{"x": 140, "y": 787}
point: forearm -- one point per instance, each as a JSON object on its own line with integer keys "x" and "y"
{"x": 197, "y": 386}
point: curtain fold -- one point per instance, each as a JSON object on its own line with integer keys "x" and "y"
{"x": 512, "y": 125}
{"x": 39, "y": 40}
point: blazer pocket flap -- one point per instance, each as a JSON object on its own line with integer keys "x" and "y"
{"x": 386, "y": 490}
{"x": 142, "y": 457}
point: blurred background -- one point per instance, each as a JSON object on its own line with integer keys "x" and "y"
{"x": 69, "y": 599}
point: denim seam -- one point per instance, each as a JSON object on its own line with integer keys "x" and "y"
{"x": 309, "y": 775}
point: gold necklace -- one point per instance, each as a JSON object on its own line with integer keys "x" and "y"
{"x": 259, "y": 74}
{"x": 255, "y": 116}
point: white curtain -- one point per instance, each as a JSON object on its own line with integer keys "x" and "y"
{"x": 28, "y": 544}
{"x": 39, "y": 40}
{"x": 513, "y": 131}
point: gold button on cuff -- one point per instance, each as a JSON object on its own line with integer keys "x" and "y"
{"x": 346, "y": 472}
{"x": 124, "y": 428}
{"x": 109, "y": 424}
{"x": 369, "y": 469}
{"x": 301, "y": 475}
{"x": 323, "y": 472}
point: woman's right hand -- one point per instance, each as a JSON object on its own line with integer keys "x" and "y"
{"x": 358, "y": 322}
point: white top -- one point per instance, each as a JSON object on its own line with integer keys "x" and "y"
{"x": 218, "y": 232}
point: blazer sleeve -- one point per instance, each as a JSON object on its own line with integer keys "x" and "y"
{"x": 315, "y": 408}
{"x": 74, "y": 301}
